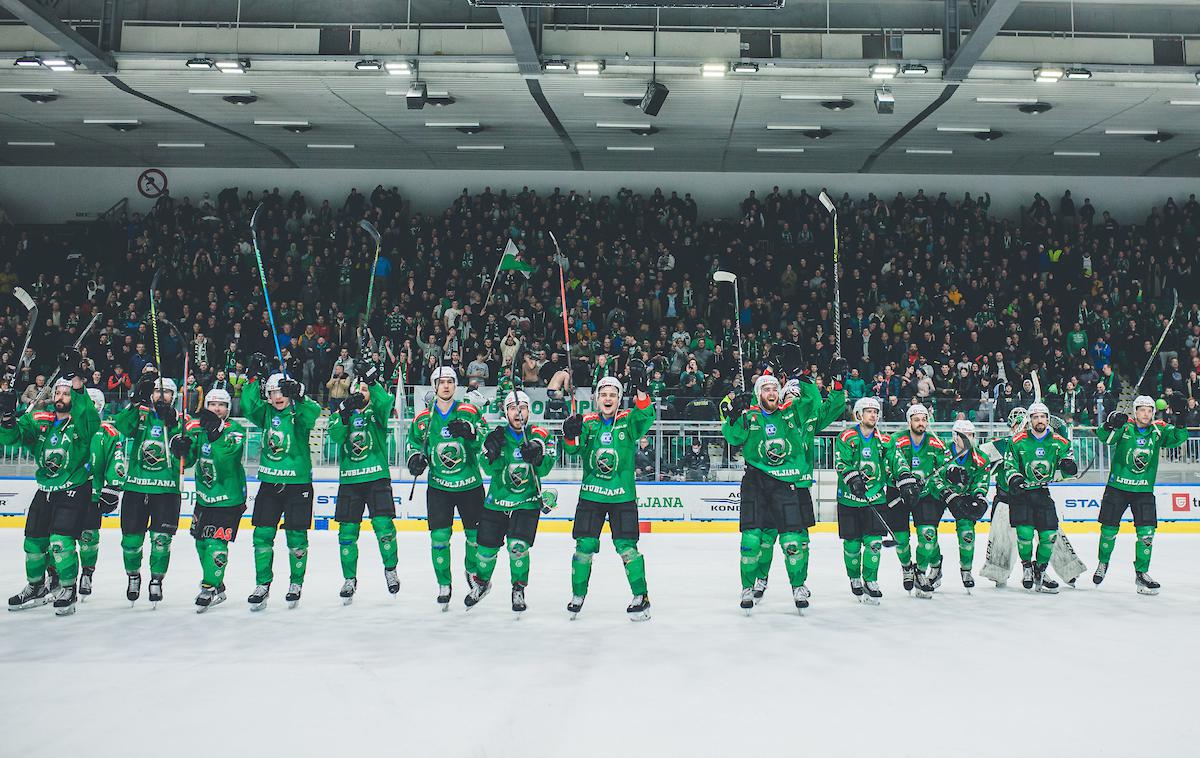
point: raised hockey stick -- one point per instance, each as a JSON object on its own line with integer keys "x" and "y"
{"x": 262, "y": 279}
{"x": 58, "y": 369}
{"x": 562, "y": 293}
{"x": 731, "y": 278}
{"x": 370, "y": 229}
{"x": 183, "y": 407}
{"x": 1158, "y": 345}
{"x": 31, "y": 310}
{"x": 837, "y": 291}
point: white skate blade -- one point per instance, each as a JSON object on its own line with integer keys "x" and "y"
{"x": 347, "y": 600}
{"x": 256, "y": 607}
{"x": 1147, "y": 591}
{"x": 68, "y": 611}
{"x": 868, "y": 600}
{"x": 292, "y": 604}
{"x": 640, "y": 616}
{"x": 444, "y": 607}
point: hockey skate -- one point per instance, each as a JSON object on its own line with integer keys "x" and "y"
{"x": 968, "y": 581}
{"x": 760, "y": 589}
{"x": 293, "y": 595}
{"x": 935, "y": 574}
{"x": 1101, "y": 570}
{"x": 133, "y": 590}
{"x": 443, "y": 596}
{"x": 209, "y": 596}
{"x": 1146, "y": 585}
{"x": 575, "y": 606}
{"x": 479, "y": 590}
{"x": 85, "y": 582}
{"x": 154, "y": 592}
{"x": 924, "y": 588}
{"x": 639, "y": 608}
{"x": 1027, "y": 577}
{"x": 64, "y": 601}
{"x": 393, "y": 581}
{"x": 518, "y": 598}
{"x": 32, "y": 596}
{"x": 347, "y": 593}
{"x": 910, "y": 576}
{"x": 1043, "y": 582}
{"x": 748, "y": 600}
{"x": 258, "y": 598}
{"x": 873, "y": 593}
{"x": 801, "y": 595}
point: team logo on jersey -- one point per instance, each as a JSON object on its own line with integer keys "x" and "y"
{"x": 1040, "y": 452}
{"x": 452, "y": 455}
{"x": 1141, "y": 441}
{"x": 207, "y": 473}
{"x": 1141, "y": 460}
{"x": 277, "y": 444}
{"x": 156, "y": 431}
{"x": 518, "y": 475}
{"x": 606, "y": 438}
{"x": 154, "y": 455}
{"x": 276, "y": 421}
{"x": 916, "y": 462}
{"x": 867, "y": 452}
{"x": 1042, "y": 470}
{"x": 770, "y": 430}
{"x": 53, "y": 439}
{"x": 359, "y": 422}
{"x": 119, "y": 467}
{"x": 445, "y": 433}
{"x": 55, "y": 459}
{"x": 517, "y": 454}
{"x": 775, "y": 451}
{"x": 605, "y": 461}
{"x": 358, "y": 444}
{"x": 206, "y": 449}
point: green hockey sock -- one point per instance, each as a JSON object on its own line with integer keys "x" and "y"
{"x": 214, "y": 557}
{"x": 635, "y": 565}
{"x": 1045, "y": 546}
{"x": 160, "y": 553}
{"x": 966, "y": 542}
{"x": 1145, "y": 545}
{"x": 66, "y": 558}
{"x": 297, "y": 542}
{"x": 264, "y": 554}
{"x": 485, "y": 562}
{"x": 852, "y": 554}
{"x": 385, "y": 535}
{"x": 518, "y": 561}
{"x": 581, "y": 564}
{"x": 904, "y": 547}
{"x": 1108, "y": 540}
{"x": 767, "y": 553}
{"x": 348, "y": 548}
{"x": 439, "y": 544}
{"x": 131, "y": 552}
{"x": 35, "y": 558}
{"x": 928, "y": 551}
{"x": 89, "y": 548}
{"x": 469, "y": 560}
{"x": 1025, "y": 542}
{"x": 872, "y": 549}
{"x": 752, "y": 541}
{"x": 795, "y": 556}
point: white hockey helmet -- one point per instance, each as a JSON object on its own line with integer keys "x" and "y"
{"x": 610, "y": 381}
{"x": 863, "y": 403}
{"x": 764, "y": 381}
{"x": 60, "y": 382}
{"x": 443, "y": 372}
{"x": 97, "y": 398}
{"x": 962, "y": 426}
{"x": 1039, "y": 408}
{"x": 516, "y": 397}
{"x": 1141, "y": 400}
{"x": 167, "y": 385}
{"x": 273, "y": 382}
{"x": 914, "y": 409}
{"x": 218, "y": 396}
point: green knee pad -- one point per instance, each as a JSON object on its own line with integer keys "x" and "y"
{"x": 751, "y": 549}
{"x": 131, "y": 552}
{"x": 66, "y": 560}
{"x": 852, "y": 556}
{"x": 160, "y": 553}
{"x": 635, "y": 565}
{"x": 795, "y": 552}
{"x": 439, "y": 543}
{"x": 903, "y": 547}
{"x": 385, "y": 535}
{"x": 297, "y": 542}
{"x": 872, "y": 549}
{"x": 1025, "y": 542}
{"x": 581, "y": 564}
{"x": 348, "y": 548}
{"x": 1108, "y": 540}
{"x": 1145, "y": 545}
{"x": 89, "y": 548}
{"x": 767, "y": 554}
{"x": 485, "y": 562}
{"x": 36, "y": 549}
{"x": 1045, "y": 547}
{"x": 518, "y": 560}
{"x": 927, "y": 546}
{"x": 264, "y": 553}
{"x": 966, "y": 542}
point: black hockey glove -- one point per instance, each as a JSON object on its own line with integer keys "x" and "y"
{"x": 109, "y": 498}
{"x": 638, "y": 379}
{"x": 68, "y": 362}
{"x": 143, "y": 389}
{"x": 1068, "y": 467}
{"x": 461, "y": 429}
{"x": 493, "y": 444}
{"x": 837, "y": 368}
{"x": 180, "y": 446}
{"x": 532, "y": 452}
{"x": 956, "y": 475}
{"x": 211, "y": 423}
{"x": 1015, "y": 482}
{"x": 417, "y": 463}
{"x": 370, "y": 374}
{"x": 8, "y": 421}
{"x": 573, "y": 426}
{"x": 1178, "y": 403}
{"x": 166, "y": 412}
{"x": 909, "y": 488}
{"x": 739, "y": 405}
{"x": 291, "y": 389}
{"x": 894, "y": 497}
{"x": 857, "y": 484}
{"x": 1115, "y": 421}
{"x": 256, "y": 367}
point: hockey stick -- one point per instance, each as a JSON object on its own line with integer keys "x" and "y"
{"x": 154, "y": 325}
{"x": 730, "y": 277}
{"x": 58, "y": 369}
{"x": 562, "y": 293}
{"x": 262, "y": 278}
{"x": 32, "y": 310}
{"x": 837, "y": 292}
{"x": 370, "y": 229}
{"x": 183, "y": 407}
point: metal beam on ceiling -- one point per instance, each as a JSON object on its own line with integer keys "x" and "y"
{"x": 521, "y": 41}
{"x": 42, "y": 20}
{"x": 989, "y": 23}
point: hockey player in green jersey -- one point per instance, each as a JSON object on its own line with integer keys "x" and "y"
{"x": 865, "y": 464}
{"x": 108, "y": 466}
{"x": 59, "y": 442}
{"x": 1135, "y": 443}
{"x": 286, "y": 418}
{"x": 214, "y": 445}
{"x": 607, "y": 441}
{"x": 151, "y": 500}
{"x": 960, "y": 484}
{"x": 924, "y": 453}
{"x": 447, "y": 440}
{"x": 1033, "y": 459}
{"x": 360, "y": 428}
{"x": 516, "y": 456}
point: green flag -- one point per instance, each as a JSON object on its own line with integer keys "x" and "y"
{"x": 510, "y": 262}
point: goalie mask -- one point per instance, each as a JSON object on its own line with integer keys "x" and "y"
{"x": 1016, "y": 417}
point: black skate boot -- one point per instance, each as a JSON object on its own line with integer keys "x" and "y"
{"x": 935, "y": 574}
{"x": 348, "y": 589}
{"x": 748, "y": 600}
{"x": 575, "y": 606}
{"x": 1042, "y": 580}
{"x": 1146, "y": 585}
{"x": 31, "y": 596}
{"x": 518, "y": 598}
{"x": 1027, "y": 575}
{"x": 133, "y": 590}
{"x": 924, "y": 587}
{"x": 968, "y": 580}
{"x": 64, "y": 601}
{"x": 258, "y": 598}
{"x": 639, "y": 608}
{"x": 910, "y": 576}
{"x": 760, "y": 589}
{"x": 1101, "y": 570}
{"x": 85, "y": 582}
{"x": 873, "y": 593}
{"x": 443, "y": 597}
{"x": 393, "y": 581}
{"x": 479, "y": 590}
{"x": 801, "y": 595}
{"x": 856, "y": 587}
{"x": 154, "y": 591}
{"x": 209, "y": 596}
{"x": 293, "y": 595}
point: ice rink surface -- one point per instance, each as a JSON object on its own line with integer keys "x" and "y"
{"x": 998, "y": 673}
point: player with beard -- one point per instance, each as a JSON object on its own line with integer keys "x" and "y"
{"x": 924, "y": 453}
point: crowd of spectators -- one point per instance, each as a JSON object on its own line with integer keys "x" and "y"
{"x": 942, "y": 302}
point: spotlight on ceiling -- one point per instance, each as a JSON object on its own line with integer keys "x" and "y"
{"x": 60, "y": 63}
{"x": 837, "y": 105}
{"x": 991, "y": 135}
{"x": 1033, "y": 109}
{"x": 28, "y": 61}
{"x": 1158, "y": 137}
{"x": 1047, "y": 75}
{"x": 884, "y": 71}
{"x": 713, "y": 70}
{"x": 233, "y": 65}
{"x": 398, "y": 68}
{"x": 200, "y": 63}
{"x": 473, "y": 129}
{"x": 744, "y": 67}
{"x": 914, "y": 69}
{"x": 240, "y": 99}
{"x": 645, "y": 131}
{"x": 368, "y": 64}
{"x": 556, "y": 65}
{"x": 1078, "y": 73}
{"x": 589, "y": 68}
{"x": 817, "y": 134}
{"x": 298, "y": 128}
{"x": 40, "y": 97}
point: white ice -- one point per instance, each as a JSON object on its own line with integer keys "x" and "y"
{"x": 999, "y": 673}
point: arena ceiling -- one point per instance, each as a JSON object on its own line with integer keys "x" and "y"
{"x": 1134, "y": 120}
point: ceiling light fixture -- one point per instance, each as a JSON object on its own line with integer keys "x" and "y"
{"x": 1078, "y": 73}
{"x": 200, "y": 63}
{"x": 884, "y": 71}
{"x": 1183, "y": 102}
{"x": 233, "y": 65}
{"x": 277, "y": 122}
{"x": 914, "y": 69}
{"x": 779, "y": 150}
{"x": 556, "y": 65}
{"x": 1048, "y": 75}
{"x": 713, "y": 70}
{"x": 964, "y": 129}
{"x": 240, "y": 99}
{"x": 818, "y": 134}
{"x": 927, "y": 151}
{"x": 398, "y": 68}
{"x": 28, "y": 61}
{"x": 616, "y": 95}
{"x": 589, "y": 68}
{"x": 648, "y": 131}
{"x": 181, "y": 144}
{"x": 118, "y": 124}
{"x": 794, "y": 96}
{"x": 329, "y": 146}
{"x": 1077, "y": 153}
{"x": 368, "y": 64}
{"x": 481, "y": 147}
{"x": 39, "y": 99}
{"x": 1158, "y": 137}
{"x": 744, "y": 67}
{"x": 471, "y": 129}
{"x": 1035, "y": 109}
{"x": 30, "y": 144}
{"x": 60, "y": 63}
{"x": 630, "y": 148}
{"x": 990, "y": 135}
{"x": 1007, "y": 100}
{"x": 620, "y": 125}
{"x": 837, "y": 105}
{"x": 452, "y": 124}
{"x": 1131, "y": 132}
{"x": 791, "y": 128}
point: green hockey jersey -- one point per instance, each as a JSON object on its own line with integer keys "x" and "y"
{"x": 362, "y": 445}
{"x": 107, "y": 460}
{"x": 514, "y": 483}
{"x": 874, "y": 457}
{"x": 922, "y": 459}
{"x": 453, "y": 461}
{"x": 220, "y": 474}
{"x": 780, "y": 443}
{"x": 1135, "y": 453}
{"x": 977, "y": 466}
{"x": 1035, "y": 458}
{"x": 285, "y": 457}
{"x": 152, "y": 468}
{"x": 61, "y": 449}
{"x": 609, "y": 449}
